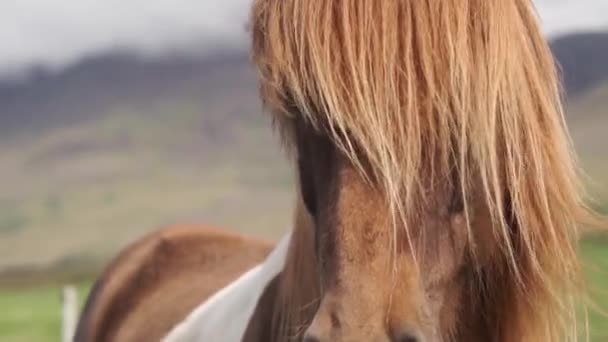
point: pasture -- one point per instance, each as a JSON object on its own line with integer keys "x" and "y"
{"x": 33, "y": 314}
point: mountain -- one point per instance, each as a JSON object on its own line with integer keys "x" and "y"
{"x": 99, "y": 83}
{"x": 96, "y": 155}
{"x": 584, "y": 60}
{"x": 102, "y": 83}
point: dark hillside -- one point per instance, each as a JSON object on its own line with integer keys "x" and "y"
{"x": 584, "y": 60}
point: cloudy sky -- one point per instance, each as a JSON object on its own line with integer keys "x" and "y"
{"x": 58, "y": 32}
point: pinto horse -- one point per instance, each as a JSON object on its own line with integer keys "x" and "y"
{"x": 158, "y": 280}
{"x": 439, "y": 196}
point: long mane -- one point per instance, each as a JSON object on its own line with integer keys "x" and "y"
{"x": 467, "y": 86}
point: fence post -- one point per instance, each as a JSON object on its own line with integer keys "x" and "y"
{"x": 69, "y": 313}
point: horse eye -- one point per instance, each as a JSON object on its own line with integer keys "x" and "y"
{"x": 316, "y": 159}
{"x": 307, "y": 185}
{"x": 306, "y": 167}
{"x": 456, "y": 205}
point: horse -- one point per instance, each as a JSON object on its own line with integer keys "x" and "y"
{"x": 439, "y": 197}
{"x": 156, "y": 281}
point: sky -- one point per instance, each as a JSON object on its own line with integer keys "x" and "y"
{"x": 55, "y": 33}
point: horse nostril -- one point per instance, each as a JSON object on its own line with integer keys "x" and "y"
{"x": 311, "y": 338}
{"x": 409, "y": 336}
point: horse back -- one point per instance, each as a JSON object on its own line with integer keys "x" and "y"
{"x": 157, "y": 281}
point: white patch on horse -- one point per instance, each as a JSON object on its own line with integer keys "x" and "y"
{"x": 225, "y": 315}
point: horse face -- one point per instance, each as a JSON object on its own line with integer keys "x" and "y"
{"x": 372, "y": 289}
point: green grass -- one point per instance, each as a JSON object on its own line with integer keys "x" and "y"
{"x": 33, "y": 315}
{"x": 594, "y": 252}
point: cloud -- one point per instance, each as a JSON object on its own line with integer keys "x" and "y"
{"x": 57, "y": 32}
{"x": 560, "y": 16}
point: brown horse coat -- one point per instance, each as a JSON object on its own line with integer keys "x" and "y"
{"x": 158, "y": 280}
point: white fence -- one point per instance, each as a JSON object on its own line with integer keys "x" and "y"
{"x": 69, "y": 314}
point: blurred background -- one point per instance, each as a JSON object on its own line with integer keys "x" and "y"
{"x": 118, "y": 117}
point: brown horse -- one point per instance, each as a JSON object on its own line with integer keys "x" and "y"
{"x": 439, "y": 196}
{"x": 158, "y": 280}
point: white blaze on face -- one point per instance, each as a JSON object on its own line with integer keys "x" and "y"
{"x": 225, "y": 316}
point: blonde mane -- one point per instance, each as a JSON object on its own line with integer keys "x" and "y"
{"x": 468, "y": 86}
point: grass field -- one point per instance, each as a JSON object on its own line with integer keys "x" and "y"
{"x": 595, "y": 255}
{"x": 33, "y": 315}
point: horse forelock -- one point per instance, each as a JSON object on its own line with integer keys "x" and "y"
{"x": 426, "y": 89}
